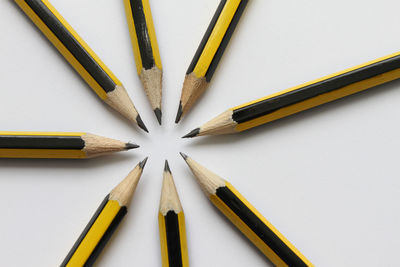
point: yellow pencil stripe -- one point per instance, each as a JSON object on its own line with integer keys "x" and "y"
{"x": 134, "y": 40}
{"x": 62, "y": 49}
{"x": 216, "y": 37}
{"x": 318, "y": 80}
{"x": 42, "y": 133}
{"x": 321, "y": 99}
{"x": 42, "y": 153}
{"x": 81, "y": 41}
{"x": 182, "y": 236}
{"x": 152, "y": 33}
{"x": 267, "y": 251}
{"x": 96, "y": 232}
{"x": 268, "y": 224}
{"x": 163, "y": 240}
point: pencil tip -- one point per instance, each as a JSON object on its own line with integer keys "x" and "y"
{"x": 179, "y": 114}
{"x": 184, "y": 156}
{"x": 143, "y": 163}
{"x": 192, "y": 134}
{"x": 129, "y": 146}
{"x": 140, "y": 123}
{"x": 158, "y": 113}
{"x": 166, "y": 167}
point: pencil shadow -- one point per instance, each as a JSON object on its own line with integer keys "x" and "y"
{"x": 114, "y": 236}
{"x": 123, "y": 224}
{"x": 49, "y": 45}
{"x": 56, "y": 53}
{"x": 298, "y": 118}
{"x": 217, "y": 213}
{"x": 66, "y": 163}
{"x": 241, "y": 236}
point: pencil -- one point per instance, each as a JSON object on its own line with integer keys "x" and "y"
{"x": 303, "y": 97}
{"x": 246, "y": 218}
{"x": 104, "y": 222}
{"x": 209, "y": 53}
{"x": 171, "y": 220}
{"x": 145, "y": 50}
{"x": 58, "y": 145}
{"x": 81, "y": 57}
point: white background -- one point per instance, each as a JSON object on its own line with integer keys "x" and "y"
{"x": 328, "y": 178}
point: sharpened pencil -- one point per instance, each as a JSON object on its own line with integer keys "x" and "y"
{"x": 246, "y": 218}
{"x": 58, "y": 145}
{"x": 145, "y": 49}
{"x": 303, "y": 97}
{"x": 104, "y": 222}
{"x": 171, "y": 220}
{"x": 209, "y": 53}
{"x": 81, "y": 57}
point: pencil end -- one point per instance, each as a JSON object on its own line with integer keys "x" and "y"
{"x": 193, "y": 133}
{"x": 179, "y": 113}
{"x": 143, "y": 163}
{"x": 140, "y": 123}
{"x": 184, "y": 156}
{"x": 166, "y": 167}
{"x": 129, "y": 146}
{"x": 158, "y": 113}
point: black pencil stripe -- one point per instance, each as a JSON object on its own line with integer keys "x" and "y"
{"x": 270, "y": 105}
{"x": 206, "y": 37}
{"x": 139, "y": 19}
{"x": 41, "y": 142}
{"x": 73, "y": 46}
{"x": 85, "y": 231}
{"x": 225, "y": 40}
{"x": 173, "y": 239}
{"x": 106, "y": 237}
{"x": 259, "y": 228}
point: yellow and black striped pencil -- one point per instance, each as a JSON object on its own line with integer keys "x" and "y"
{"x": 58, "y": 145}
{"x": 246, "y": 218}
{"x": 171, "y": 220}
{"x": 104, "y": 222}
{"x": 145, "y": 49}
{"x": 81, "y": 57}
{"x": 209, "y": 53}
{"x": 303, "y": 97}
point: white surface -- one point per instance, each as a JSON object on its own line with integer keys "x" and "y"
{"x": 328, "y": 179}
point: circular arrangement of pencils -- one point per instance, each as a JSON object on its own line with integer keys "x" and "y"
{"x": 174, "y": 248}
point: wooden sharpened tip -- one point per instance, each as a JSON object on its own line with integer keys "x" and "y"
{"x": 208, "y": 181}
{"x": 96, "y": 145}
{"x": 222, "y": 124}
{"x": 121, "y": 102}
{"x": 124, "y": 191}
{"x": 193, "y": 88}
{"x": 152, "y": 84}
{"x": 169, "y": 200}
